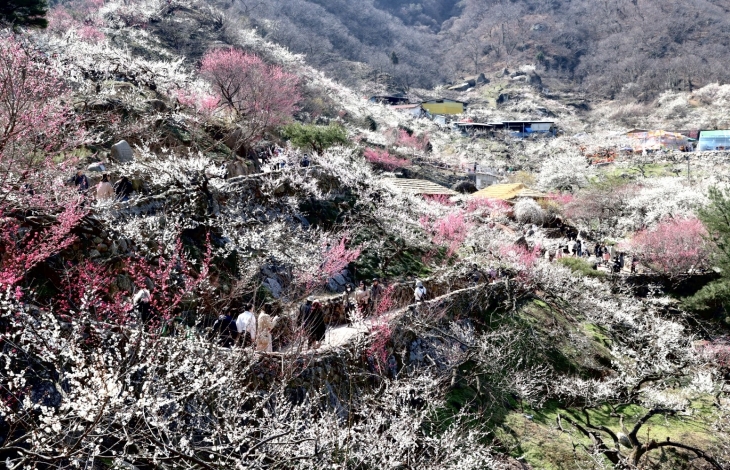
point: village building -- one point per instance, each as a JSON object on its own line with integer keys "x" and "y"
{"x": 389, "y": 100}
{"x": 482, "y": 176}
{"x": 415, "y": 110}
{"x": 515, "y": 128}
{"x": 444, "y": 106}
{"x": 486, "y": 177}
{"x": 526, "y": 128}
{"x": 713, "y": 140}
{"x": 473, "y": 128}
{"x": 657, "y": 140}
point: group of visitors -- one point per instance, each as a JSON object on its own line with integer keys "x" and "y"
{"x": 600, "y": 254}
{"x": 250, "y": 330}
{"x": 247, "y": 330}
{"x": 105, "y": 191}
{"x": 366, "y": 298}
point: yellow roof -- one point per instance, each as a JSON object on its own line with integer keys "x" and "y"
{"x": 507, "y": 192}
{"x": 501, "y": 191}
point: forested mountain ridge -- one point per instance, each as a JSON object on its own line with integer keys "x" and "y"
{"x": 610, "y": 49}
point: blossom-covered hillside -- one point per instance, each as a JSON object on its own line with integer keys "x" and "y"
{"x": 214, "y": 256}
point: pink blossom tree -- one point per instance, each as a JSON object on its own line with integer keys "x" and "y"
{"x": 204, "y": 103}
{"x": 449, "y": 231}
{"x": 384, "y": 159}
{"x": 36, "y": 122}
{"x": 494, "y": 208}
{"x": 673, "y": 247}
{"x": 259, "y": 96}
{"x": 338, "y": 257}
{"x": 335, "y": 258}
{"x": 412, "y": 141}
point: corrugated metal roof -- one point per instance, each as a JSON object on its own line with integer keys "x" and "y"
{"x": 507, "y": 192}
{"x": 414, "y": 186}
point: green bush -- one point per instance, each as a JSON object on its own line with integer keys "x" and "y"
{"x": 581, "y": 267}
{"x": 313, "y": 137}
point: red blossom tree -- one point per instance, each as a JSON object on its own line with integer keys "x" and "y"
{"x": 87, "y": 287}
{"x": 25, "y": 246}
{"x": 561, "y": 198}
{"x": 673, "y": 247}
{"x": 173, "y": 278}
{"x": 259, "y": 96}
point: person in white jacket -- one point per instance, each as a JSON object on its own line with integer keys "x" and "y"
{"x": 420, "y": 292}
{"x": 246, "y": 323}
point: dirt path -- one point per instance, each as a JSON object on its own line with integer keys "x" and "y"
{"x": 341, "y": 336}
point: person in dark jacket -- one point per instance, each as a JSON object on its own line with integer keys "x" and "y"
{"x": 376, "y": 291}
{"x": 311, "y": 319}
{"x": 348, "y": 298}
{"x": 81, "y": 182}
{"x": 123, "y": 189}
{"x": 225, "y": 329}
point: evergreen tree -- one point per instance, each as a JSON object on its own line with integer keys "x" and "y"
{"x": 316, "y": 138}
{"x": 715, "y": 296}
{"x": 24, "y": 12}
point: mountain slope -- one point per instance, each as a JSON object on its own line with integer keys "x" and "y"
{"x": 618, "y": 48}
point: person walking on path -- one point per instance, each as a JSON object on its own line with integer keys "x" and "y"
{"x": 311, "y": 320}
{"x": 246, "y": 326}
{"x": 265, "y": 324}
{"x": 104, "y": 190}
{"x": 362, "y": 297}
{"x": 376, "y": 291}
{"x": 420, "y": 292}
{"x": 225, "y": 328}
{"x": 347, "y": 300}
{"x": 123, "y": 189}
{"x": 143, "y": 305}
